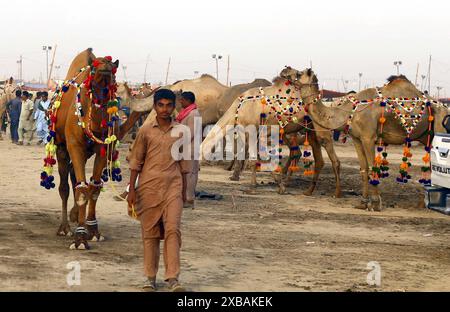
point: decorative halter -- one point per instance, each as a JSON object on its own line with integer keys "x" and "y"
{"x": 284, "y": 108}
{"x": 108, "y": 124}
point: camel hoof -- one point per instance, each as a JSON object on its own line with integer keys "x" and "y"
{"x": 64, "y": 230}
{"x": 97, "y": 239}
{"x": 80, "y": 241}
{"x": 308, "y": 193}
{"x": 338, "y": 195}
{"x": 281, "y": 190}
{"x": 233, "y": 178}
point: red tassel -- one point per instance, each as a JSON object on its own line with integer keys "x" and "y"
{"x": 115, "y": 156}
{"x": 103, "y": 151}
{"x": 104, "y": 123}
{"x": 114, "y": 70}
{"x": 108, "y": 58}
{"x": 96, "y": 63}
{"x": 53, "y": 119}
{"x": 287, "y": 83}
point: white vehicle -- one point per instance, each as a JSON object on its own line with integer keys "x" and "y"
{"x": 438, "y": 194}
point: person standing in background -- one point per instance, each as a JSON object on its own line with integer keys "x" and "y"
{"x": 39, "y": 116}
{"x": 13, "y": 109}
{"x": 26, "y": 122}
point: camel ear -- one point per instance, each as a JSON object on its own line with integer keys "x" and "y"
{"x": 309, "y": 72}
{"x": 116, "y": 64}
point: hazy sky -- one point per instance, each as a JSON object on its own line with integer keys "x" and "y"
{"x": 341, "y": 38}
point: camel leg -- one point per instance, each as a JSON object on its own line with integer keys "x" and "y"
{"x": 73, "y": 216}
{"x": 79, "y": 158}
{"x": 369, "y": 150}
{"x": 364, "y": 171}
{"x": 230, "y": 165}
{"x": 64, "y": 190}
{"x": 95, "y": 188}
{"x": 237, "y": 170}
{"x": 318, "y": 164}
{"x": 336, "y": 164}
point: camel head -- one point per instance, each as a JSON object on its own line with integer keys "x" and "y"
{"x": 105, "y": 70}
{"x": 299, "y": 78}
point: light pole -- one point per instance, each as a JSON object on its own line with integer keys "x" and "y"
{"x": 217, "y": 58}
{"x": 47, "y": 49}
{"x": 398, "y": 64}
{"x": 125, "y": 72}
{"x": 423, "y": 81}
{"x": 439, "y": 92}
{"x": 360, "y": 76}
{"x": 196, "y": 73}
{"x": 57, "y": 67}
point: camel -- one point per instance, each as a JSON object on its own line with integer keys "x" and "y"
{"x": 212, "y": 98}
{"x": 249, "y": 114}
{"x": 75, "y": 144}
{"x": 7, "y": 93}
{"x": 365, "y": 121}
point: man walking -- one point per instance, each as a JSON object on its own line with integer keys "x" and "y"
{"x": 161, "y": 190}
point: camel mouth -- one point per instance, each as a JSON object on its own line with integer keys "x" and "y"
{"x": 105, "y": 72}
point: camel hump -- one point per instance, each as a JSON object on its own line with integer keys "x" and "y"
{"x": 207, "y": 76}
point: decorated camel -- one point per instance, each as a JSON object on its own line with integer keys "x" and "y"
{"x": 279, "y": 104}
{"x": 83, "y": 123}
{"x": 395, "y": 114}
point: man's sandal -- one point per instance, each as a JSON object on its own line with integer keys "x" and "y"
{"x": 149, "y": 286}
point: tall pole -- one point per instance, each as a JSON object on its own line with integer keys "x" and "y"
{"x": 439, "y": 92}
{"x": 429, "y": 75}
{"x": 417, "y": 75}
{"x": 217, "y": 69}
{"x": 228, "y": 70}
{"x": 360, "y": 76}
{"x": 167, "y": 72}
{"x": 125, "y": 72}
{"x": 51, "y": 66}
{"x": 145, "y": 71}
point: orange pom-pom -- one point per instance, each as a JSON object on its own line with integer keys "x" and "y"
{"x": 382, "y": 120}
{"x": 430, "y": 118}
{"x": 404, "y": 166}
{"x": 281, "y": 131}
{"x": 426, "y": 159}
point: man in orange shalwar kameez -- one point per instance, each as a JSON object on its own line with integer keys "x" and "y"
{"x": 161, "y": 190}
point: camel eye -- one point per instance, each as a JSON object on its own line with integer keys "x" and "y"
{"x": 297, "y": 76}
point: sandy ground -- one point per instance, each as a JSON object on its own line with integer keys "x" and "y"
{"x": 268, "y": 243}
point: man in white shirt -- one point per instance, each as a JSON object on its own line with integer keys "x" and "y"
{"x": 26, "y": 123}
{"x": 41, "y": 121}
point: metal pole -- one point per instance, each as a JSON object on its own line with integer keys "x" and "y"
{"x": 429, "y": 76}
{"x": 47, "y": 63}
{"x": 217, "y": 68}
{"x": 228, "y": 70}
{"x": 145, "y": 71}
{"x": 167, "y": 73}
{"x": 417, "y": 75}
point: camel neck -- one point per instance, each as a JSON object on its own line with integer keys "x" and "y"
{"x": 327, "y": 117}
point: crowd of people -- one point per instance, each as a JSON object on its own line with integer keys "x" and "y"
{"x": 26, "y": 117}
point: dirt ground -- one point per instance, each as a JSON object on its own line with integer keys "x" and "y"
{"x": 266, "y": 242}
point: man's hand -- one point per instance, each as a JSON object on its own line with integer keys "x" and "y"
{"x": 131, "y": 198}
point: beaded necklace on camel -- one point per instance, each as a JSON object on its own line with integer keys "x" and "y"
{"x": 109, "y": 143}
{"x": 380, "y": 167}
{"x": 273, "y": 105}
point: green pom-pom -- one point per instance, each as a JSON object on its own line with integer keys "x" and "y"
{"x": 404, "y": 159}
{"x": 409, "y": 165}
{"x": 385, "y": 154}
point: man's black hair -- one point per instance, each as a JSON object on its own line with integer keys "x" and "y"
{"x": 25, "y": 93}
{"x": 188, "y": 96}
{"x": 18, "y": 93}
{"x": 164, "y": 94}
{"x": 39, "y": 94}
{"x": 44, "y": 94}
